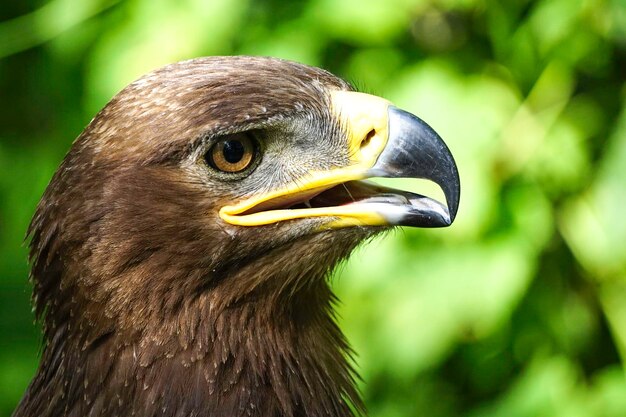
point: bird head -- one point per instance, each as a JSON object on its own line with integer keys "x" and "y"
{"x": 185, "y": 240}
{"x": 236, "y": 173}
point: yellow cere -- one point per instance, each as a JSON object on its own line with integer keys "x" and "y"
{"x": 360, "y": 114}
{"x": 365, "y": 121}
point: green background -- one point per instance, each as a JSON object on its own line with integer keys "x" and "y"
{"x": 519, "y": 308}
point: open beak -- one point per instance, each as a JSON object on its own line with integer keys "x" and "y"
{"x": 385, "y": 142}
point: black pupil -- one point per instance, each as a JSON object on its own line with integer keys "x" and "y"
{"x": 233, "y": 151}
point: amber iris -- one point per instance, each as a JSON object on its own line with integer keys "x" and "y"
{"x": 232, "y": 154}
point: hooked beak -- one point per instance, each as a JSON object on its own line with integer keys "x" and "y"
{"x": 386, "y": 142}
{"x": 415, "y": 150}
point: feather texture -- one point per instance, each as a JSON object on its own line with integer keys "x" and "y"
{"x": 151, "y": 306}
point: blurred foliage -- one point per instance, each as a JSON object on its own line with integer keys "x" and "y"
{"x": 519, "y": 309}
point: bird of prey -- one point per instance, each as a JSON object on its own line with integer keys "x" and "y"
{"x": 181, "y": 252}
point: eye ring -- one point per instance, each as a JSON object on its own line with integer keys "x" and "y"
{"x": 232, "y": 154}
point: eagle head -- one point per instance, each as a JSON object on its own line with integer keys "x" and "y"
{"x": 181, "y": 252}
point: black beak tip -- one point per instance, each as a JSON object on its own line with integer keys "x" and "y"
{"x": 425, "y": 212}
{"x": 423, "y": 155}
{"x": 453, "y": 194}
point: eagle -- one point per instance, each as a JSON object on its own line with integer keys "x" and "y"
{"x": 181, "y": 254}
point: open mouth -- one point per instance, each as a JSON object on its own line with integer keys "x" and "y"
{"x": 352, "y": 192}
{"x": 411, "y": 149}
{"x": 354, "y": 198}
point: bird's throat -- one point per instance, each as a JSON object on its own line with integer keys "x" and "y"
{"x": 249, "y": 359}
{"x": 255, "y": 338}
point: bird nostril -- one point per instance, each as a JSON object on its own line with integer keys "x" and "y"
{"x": 368, "y": 138}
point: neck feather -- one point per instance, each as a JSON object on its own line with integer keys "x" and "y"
{"x": 270, "y": 356}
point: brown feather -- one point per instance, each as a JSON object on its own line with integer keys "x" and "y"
{"x": 151, "y": 305}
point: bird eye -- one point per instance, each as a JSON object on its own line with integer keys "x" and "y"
{"x": 233, "y": 153}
